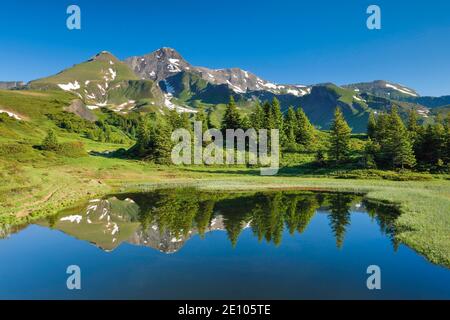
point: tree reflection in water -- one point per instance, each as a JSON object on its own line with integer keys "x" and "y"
{"x": 166, "y": 219}
{"x": 183, "y": 212}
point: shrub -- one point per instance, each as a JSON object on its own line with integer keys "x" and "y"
{"x": 385, "y": 175}
{"x": 50, "y": 142}
{"x": 73, "y": 149}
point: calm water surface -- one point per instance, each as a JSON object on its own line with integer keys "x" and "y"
{"x": 185, "y": 244}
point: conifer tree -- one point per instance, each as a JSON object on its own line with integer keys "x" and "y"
{"x": 399, "y": 142}
{"x": 143, "y": 136}
{"x": 185, "y": 122}
{"x": 162, "y": 143}
{"x": 404, "y": 155}
{"x": 305, "y": 134}
{"x": 340, "y": 137}
{"x": 320, "y": 157}
{"x": 50, "y": 142}
{"x": 371, "y": 150}
{"x": 200, "y": 116}
{"x": 231, "y": 119}
{"x": 277, "y": 114}
{"x": 269, "y": 117}
{"x": 257, "y": 117}
{"x": 382, "y": 127}
{"x": 439, "y": 133}
{"x": 174, "y": 119}
{"x": 278, "y": 119}
{"x": 246, "y": 123}
{"x": 371, "y": 126}
{"x": 447, "y": 140}
{"x": 413, "y": 126}
{"x": 290, "y": 127}
{"x": 433, "y": 145}
{"x": 382, "y": 156}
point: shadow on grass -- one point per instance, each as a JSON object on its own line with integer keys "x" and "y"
{"x": 304, "y": 170}
{"x": 300, "y": 170}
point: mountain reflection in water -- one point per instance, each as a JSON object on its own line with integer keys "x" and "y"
{"x": 165, "y": 219}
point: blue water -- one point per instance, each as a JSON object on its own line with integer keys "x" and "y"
{"x": 306, "y": 265}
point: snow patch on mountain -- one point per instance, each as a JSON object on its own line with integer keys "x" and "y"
{"x": 402, "y": 90}
{"x": 173, "y": 68}
{"x": 166, "y": 62}
{"x": 70, "y": 86}
{"x": 113, "y": 74}
{"x": 423, "y": 112}
{"x": 11, "y": 114}
{"x": 235, "y": 88}
{"x": 172, "y": 106}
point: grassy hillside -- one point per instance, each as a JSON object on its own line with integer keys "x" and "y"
{"x": 91, "y": 70}
{"x": 323, "y": 100}
{"x": 104, "y": 81}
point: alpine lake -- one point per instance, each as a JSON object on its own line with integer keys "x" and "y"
{"x": 189, "y": 244}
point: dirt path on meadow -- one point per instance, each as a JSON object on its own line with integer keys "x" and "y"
{"x": 25, "y": 212}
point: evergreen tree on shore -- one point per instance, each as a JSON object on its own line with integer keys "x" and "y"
{"x": 371, "y": 126}
{"x": 399, "y": 143}
{"x": 257, "y": 117}
{"x": 340, "y": 137}
{"x": 143, "y": 136}
{"x": 200, "y": 116}
{"x": 162, "y": 143}
{"x": 232, "y": 118}
{"x": 447, "y": 140}
{"x": 291, "y": 126}
{"x": 305, "y": 134}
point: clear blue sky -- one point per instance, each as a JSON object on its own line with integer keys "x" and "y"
{"x": 284, "y": 41}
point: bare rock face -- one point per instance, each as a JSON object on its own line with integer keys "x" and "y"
{"x": 158, "y": 65}
{"x": 166, "y": 241}
{"x": 79, "y": 108}
{"x": 166, "y": 62}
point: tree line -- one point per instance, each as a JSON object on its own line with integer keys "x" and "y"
{"x": 391, "y": 143}
{"x": 154, "y": 131}
{"x": 394, "y": 144}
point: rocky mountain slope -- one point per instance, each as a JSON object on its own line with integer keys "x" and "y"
{"x": 103, "y": 81}
{"x": 166, "y": 62}
{"x": 384, "y": 89}
{"x": 164, "y": 80}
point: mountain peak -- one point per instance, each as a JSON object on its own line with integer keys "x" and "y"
{"x": 159, "y": 64}
{"x": 168, "y": 55}
{"x": 104, "y": 56}
{"x": 167, "y": 62}
{"x": 167, "y": 50}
